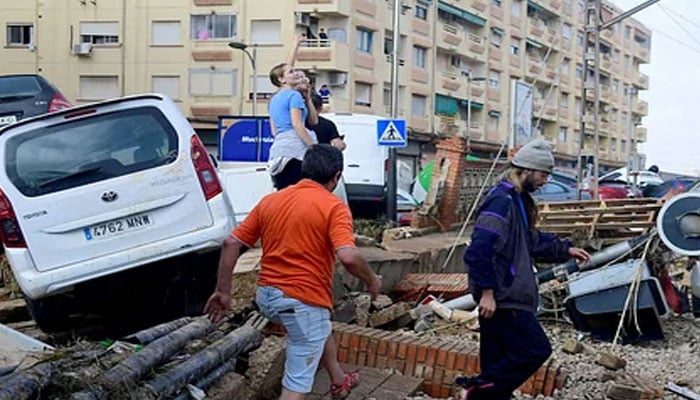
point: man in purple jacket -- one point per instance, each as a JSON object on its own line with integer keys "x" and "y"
{"x": 499, "y": 260}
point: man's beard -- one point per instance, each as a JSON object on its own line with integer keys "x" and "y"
{"x": 529, "y": 186}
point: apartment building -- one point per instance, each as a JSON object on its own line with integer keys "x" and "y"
{"x": 458, "y": 59}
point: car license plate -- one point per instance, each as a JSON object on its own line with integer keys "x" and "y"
{"x": 118, "y": 226}
{"x": 8, "y": 119}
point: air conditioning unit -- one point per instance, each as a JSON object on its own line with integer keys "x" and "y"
{"x": 337, "y": 78}
{"x": 82, "y": 49}
{"x": 303, "y": 19}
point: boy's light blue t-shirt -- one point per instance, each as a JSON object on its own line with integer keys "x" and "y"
{"x": 281, "y": 105}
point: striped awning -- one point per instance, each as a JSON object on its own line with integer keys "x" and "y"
{"x": 462, "y": 14}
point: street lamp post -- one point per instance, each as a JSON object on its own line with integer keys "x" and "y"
{"x": 244, "y": 48}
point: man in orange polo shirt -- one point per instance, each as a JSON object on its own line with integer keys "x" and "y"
{"x": 302, "y": 229}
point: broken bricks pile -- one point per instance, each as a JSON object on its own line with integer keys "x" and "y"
{"x": 171, "y": 360}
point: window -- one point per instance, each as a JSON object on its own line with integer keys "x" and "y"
{"x": 98, "y": 87}
{"x": 364, "y": 40}
{"x": 564, "y": 66}
{"x": 165, "y": 33}
{"x": 421, "y": 12}
{"x": 628, "y": 32}
{"x": 494, "y": 77}
{"x": 581, "y": 5}
{"x": 613, "y": 145}
{"x": 496, "y": 3}
{"x": 216, "y": 82}
{"x": 264, "y": 87}
{"x": 578, "y": 106}
{"x": 496, "y": 38}
{"x": 623, "y": 118}
{"x": 418, "y": 103}
{"x": 167, "y": 85}
{"x": 388, "y": 43}
{"x": 579, "y": 71}
{"x": 493, "y": 122}
{"x": 616, "y": 56}
{"x": 579, "y": 39}
{"x": 363, "y": 94}
{"x": 628, "y": 61}
{"x": 99, "y": 32}
{"x": 514, "y": 46}
{"x": 615, "y": 86}
{"x": 20, "y": 35}
{"x": 564, "y": 100}
{"x": 455, "y": 61}
{"x": 92, "y": 149}
{"x": 613, "y": 116}
{"x": 516, "y": 8}
{"x": 419, "y": 56}
{"x": 562, "y": 133}
{"x": 338, "y": 35}
{"x": 265, "y": 31}
{"x": 213, "y": 26}
{"x": 566, "y": 31}
{"x": 623, "y": 146}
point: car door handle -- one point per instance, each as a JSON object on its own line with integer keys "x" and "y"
{"x": 353, "y": 165}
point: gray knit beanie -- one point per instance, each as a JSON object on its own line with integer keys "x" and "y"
{"x": 536, "y": 155}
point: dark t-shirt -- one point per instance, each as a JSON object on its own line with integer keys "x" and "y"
{"x": 325, "y": 130}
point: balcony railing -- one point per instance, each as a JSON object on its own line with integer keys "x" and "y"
{"x": 324, "y": 54}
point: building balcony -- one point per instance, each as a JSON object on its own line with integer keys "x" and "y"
{"x": 641, "y": 80}
{"x": 496, "y": 55}
{"x": 641, "y": 107}
{"x": 478, "y": 93}
{"x": 419, "y": 124}
{"x": 564, "y": 113}
{"x": 535, "y": 29}
{"x": 478, "y": 5}
{"x": 494, "y": 95}
{"x": 562, "y": 147}
{"x": 449, "y": 37}
{"x": 476, "y": 130}
{"x": 550, "y": 72}
{"x": 606, "y": 63}
{"x": 329, "y": 8}
{"x": 447, "y": 125}
{"x": 516, "y": 23}
{"x": 476, "y": 46}
{"x": 497, "y": 13}
{"x": 450, "y": 81}
{"x": 640, "y": 134}
{"x": 641, "y": 53}
{"x": 318, "y": 54}
{"x": 534, "y": 66}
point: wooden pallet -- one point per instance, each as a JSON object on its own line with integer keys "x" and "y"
{"x": 610, "y": 220}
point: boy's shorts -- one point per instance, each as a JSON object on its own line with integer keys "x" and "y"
{"x": 308, "y": 328}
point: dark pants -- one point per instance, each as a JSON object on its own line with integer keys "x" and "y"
{"x": 513, "y": 346}
{"x": 290, "y": 175}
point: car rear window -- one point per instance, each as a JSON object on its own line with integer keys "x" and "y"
{"x": 75, "y": 153}
{"x": 13, "y": 86}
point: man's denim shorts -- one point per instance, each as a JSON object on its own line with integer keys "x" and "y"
{"x": 308, "y": 328}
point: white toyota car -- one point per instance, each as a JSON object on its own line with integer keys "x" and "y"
{"x": 103, "y": 188}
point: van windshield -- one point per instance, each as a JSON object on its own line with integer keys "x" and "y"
{"x": 88, "y": 150}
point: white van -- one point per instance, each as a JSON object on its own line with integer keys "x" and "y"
{"x": 366, "y": 162}
{"x": 103, "y": 188}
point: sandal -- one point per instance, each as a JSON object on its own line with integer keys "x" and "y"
{"x": 342, "y": 389}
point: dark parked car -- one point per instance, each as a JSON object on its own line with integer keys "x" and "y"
{"x": 556, "y": 191}
{"x": 23, "y": 96}
{"x": 658, "y": 191}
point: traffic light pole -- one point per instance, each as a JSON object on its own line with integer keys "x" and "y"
{"x": 392, "y": 167}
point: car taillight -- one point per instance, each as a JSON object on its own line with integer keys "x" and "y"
{"x": 10, "y": 232}
{"x": 205, "y": 169}
{"x": 58, "y": 102}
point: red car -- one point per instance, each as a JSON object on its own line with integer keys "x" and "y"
{"x": 615, "y": 189}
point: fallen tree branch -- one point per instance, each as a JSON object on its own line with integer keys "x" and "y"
{"x": 155, "y": 353}
{"x": 148, "y": 335}
{"x": 25, "y": 385}
{"x": 242, "y": 339}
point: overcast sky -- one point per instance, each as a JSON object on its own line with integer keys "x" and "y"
{"x": 673, "y": 140}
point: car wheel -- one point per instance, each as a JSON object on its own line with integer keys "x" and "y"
{"x": 51, "y": 314}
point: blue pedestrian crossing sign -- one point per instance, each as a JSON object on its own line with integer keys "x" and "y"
{"x": 391, "y": 132}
